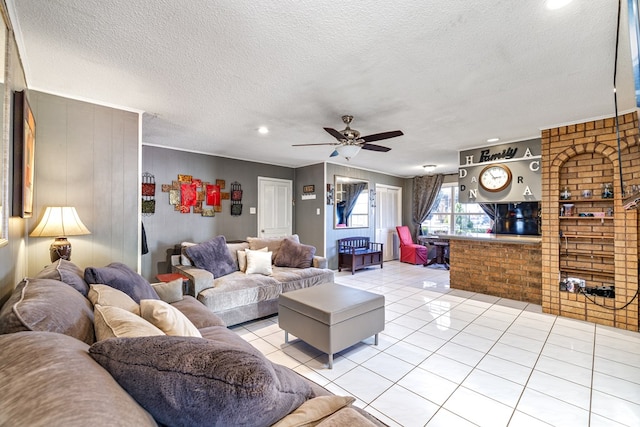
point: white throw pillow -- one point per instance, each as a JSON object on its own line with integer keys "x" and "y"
{"x": 115, "y": 322}
{"x": 259, "y": 262}
{"x": 167, "y": 318}
{"x": 242, "y": 258}
{"x": 107, "y": 296}
{"x": 184, "y": 260}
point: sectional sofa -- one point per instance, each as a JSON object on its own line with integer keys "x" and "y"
{"x": 105, "y": 347}
{"x": 241, "y": 281}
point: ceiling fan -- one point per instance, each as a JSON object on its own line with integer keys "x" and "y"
{"x": 349, "y": 142}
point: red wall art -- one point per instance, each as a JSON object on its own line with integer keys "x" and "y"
{"x": 193, "y": 195}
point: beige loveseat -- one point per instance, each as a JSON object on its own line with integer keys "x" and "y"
{"x": 67, "y": 360}
{"x": 239, "y": 296}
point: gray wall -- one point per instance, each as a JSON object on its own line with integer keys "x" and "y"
{"x": 308, "y": 223}
{"x": 333, "y": 235}
{"x": 87, "y": 156}
{"x": 166, "y": 227}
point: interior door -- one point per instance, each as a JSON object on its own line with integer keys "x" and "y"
{"x": 388, "y": 216}
{"x": 275, "y": 207}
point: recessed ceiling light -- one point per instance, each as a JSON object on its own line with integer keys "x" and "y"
{"x": 556, "y": 4}
{"x": 493, "y": 140}
{"x": 263, "y": 130}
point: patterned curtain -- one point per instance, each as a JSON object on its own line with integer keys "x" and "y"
{"x": 426, "y": 191}
{"x": 489, "y": 209}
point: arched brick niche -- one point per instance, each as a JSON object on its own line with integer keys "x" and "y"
{"x": 601, "y": 250}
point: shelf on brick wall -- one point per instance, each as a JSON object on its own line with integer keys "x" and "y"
{"x": 596, "y": 200}
{"x": 587, "y": 236}
{"x": 592, "y": 271}
{"x": 583, "y": 157}
{"x": 587, "y": 217}
{"x": 589, "y": 254}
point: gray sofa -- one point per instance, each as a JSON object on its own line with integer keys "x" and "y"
{"x": 239, "y": 296}
{"x": 55, "y": 369}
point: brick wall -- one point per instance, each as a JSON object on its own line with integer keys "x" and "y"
{"x": 506, "y": 270}
{"x": 584, "y": 156}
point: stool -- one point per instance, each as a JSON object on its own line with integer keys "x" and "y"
{"x": 331, "y": 317}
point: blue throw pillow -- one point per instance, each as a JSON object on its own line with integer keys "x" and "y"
{"x": 213, "y": 256}
{"x": 123, "y": 278}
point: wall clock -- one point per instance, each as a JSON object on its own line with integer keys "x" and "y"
{"x": 495, "y": 178}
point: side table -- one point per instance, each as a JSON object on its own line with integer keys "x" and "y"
{"x": 169, "y": 277}
{"x": 441, "y": 247}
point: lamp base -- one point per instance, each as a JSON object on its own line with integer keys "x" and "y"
{"x": 60, "y": 249}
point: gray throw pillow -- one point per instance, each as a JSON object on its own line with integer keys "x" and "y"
{"x": 271, "y": 243}
{"x": 213, "y": 256}
{"x": 293, "y": 254}
{"x": 123, "y": 278}
{"x": 49, "y": 379}
{"x": 48, "y": 305}
{"x": 187, "y": 381}
{"x": 67, "y": 272}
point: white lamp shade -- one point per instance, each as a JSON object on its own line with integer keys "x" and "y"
{"x": 60, "y": 221}
{"x": 348, "y": 151}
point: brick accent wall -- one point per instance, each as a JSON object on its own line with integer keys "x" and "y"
{"x": 506, "y": 270}
{"x": 584, "y": 156}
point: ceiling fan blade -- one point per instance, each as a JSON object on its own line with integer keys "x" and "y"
{"x": 380, "y": 136}
{"x": 374, "y": 147}
{"x": 322, "y": 143}
{"x": 334, "y": 154}
{"x": 334, "y": 133}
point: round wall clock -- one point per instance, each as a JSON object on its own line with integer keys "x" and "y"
{"x": 495, "y": 178}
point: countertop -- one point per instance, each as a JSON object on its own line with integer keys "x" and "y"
{"x": 502, "y": 238}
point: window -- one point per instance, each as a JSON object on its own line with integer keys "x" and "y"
{"x": 360, "y": 214}
{"x": 452, "y": 217}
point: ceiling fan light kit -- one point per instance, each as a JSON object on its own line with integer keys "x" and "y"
{"x": 349, "y": 143}
{"x": 348, "y": 151}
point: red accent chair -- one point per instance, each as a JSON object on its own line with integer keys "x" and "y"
{"x": 410, "y": 252}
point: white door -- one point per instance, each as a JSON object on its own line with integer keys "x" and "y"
{"x": 388, "y": 216}
{"x": 275, "y": 207}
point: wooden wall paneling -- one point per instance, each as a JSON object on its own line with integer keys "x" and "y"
{"x": 87, "y": 156}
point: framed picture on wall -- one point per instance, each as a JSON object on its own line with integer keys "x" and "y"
{"x": 24, "y": 143}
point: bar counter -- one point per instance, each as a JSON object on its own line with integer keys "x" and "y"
{"x": 505, "y": 266}
{"x": 506, "y": 238}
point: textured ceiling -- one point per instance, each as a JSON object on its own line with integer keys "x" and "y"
{"x": 449, "y": 74}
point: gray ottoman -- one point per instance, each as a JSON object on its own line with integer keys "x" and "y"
{"x": 331, "y": 317}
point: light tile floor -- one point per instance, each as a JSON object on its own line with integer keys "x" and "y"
{"x": 457, "y": 358}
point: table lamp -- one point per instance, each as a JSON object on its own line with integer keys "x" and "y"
{"x": 59, "y": 222}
